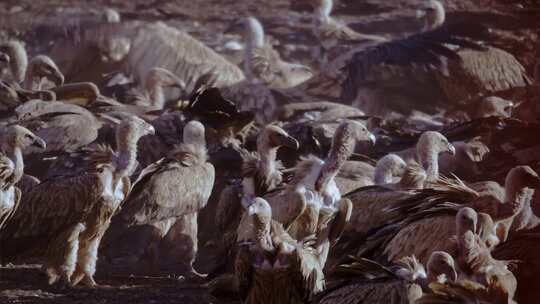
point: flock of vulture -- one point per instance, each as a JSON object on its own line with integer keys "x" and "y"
{"x": 392, "y": 170}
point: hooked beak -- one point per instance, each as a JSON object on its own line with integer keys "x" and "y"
{"x": 372, "y": 138}
{"x": 451, "y": 149}
{"x": 151, "y": 131}
{"x": 4, "y": 58}
{"x": 58, "y": 78}
{"x": 40, "y": 143}
{"x": 291, "y": 142}
{"x": 252, "y": 209}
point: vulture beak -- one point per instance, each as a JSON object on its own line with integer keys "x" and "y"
{"x": 451, "y": 149}
{"x": 291, "y": 142}
{"x": 420, "y": 13}
{"x": 57, "y": 77}
{"x": 372, "y": 138}
{"x": 252, "y": 210}
{"x": 151, "y": 130}
{"x": 40, "y": 143}
{"x": 4, "y": 58}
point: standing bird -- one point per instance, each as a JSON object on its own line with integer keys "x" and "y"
{"x": 13, "y": 140}
{"x": 332, "y": 33}
{"x": 273, "y": 268}
{"x": 68, "y": 215}
{"x": 175, "y": 187}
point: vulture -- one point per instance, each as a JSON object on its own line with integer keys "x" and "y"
{"x": 434, "y": 211}
{"x": 313, "y": 192}
{"x": 173, "y": 189}
{"x": 447, "y": 62}
{"x": 271, "y": 267}
{"x": 153, "y": 95}
{"x": 135, "y": 48}
{"x": 67, "y": 216}
{"x": 332, "y": 33}
{"x": 465, "y": 162}
{"x": 13, "y": 140}
{"x": 30, "y": 74}
{"x": 474, "y": 257}
{"x": 375, "y": 283}
{"x": 441, "y": 268}
{"x": 264, "y": 64}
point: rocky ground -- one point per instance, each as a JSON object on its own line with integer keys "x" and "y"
{"x": 517, "y": 22}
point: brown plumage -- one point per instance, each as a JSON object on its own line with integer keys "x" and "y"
{"x": 165, "y": 191}
{"x": 13, "y": 140}
{"x": 374, "y": 283}
{"x": 272, "y": 267}
{"x": 67, "y": 216}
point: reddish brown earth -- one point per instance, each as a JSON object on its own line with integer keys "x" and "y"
{"x": 517, "y": 22}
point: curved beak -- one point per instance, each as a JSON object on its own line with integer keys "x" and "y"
{"x": 372, "y": 138}
{"x": 57, "y": 77}
{"x": 291, "y": 142}
{"x": 251, "y": 210}
{"x": 151, "y": 130}
{"x": 4, "y": 58}
{"x": 40, "y": 143}
{"x": 451, "y": 149}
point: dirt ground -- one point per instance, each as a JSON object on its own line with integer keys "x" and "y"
{"x": 516, "y": 21}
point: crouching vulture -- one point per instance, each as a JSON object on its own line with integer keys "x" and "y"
{"x": 175, "y": 187}
{"x": 67, "y": 216}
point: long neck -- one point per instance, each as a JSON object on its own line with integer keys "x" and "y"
{"x": 322, "y": 13}
{"x": 157, "y": 95}
{"x": 518, "y": 196}
{"x": 32, "y": 82}
{"x": 126, "y": 161}
{"x": 268, "y": 157}
{"x": 15, "y": 154}
{"x": 342, "y": 149}
{"x": 262, "y": 232}
{"x": 255, "y": 34}
{"x": 429, "y": 160}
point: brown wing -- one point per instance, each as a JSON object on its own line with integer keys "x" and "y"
{"x": 341, "y": 220}
{"x": 169, "y": 189}
{"x": 50, "y": 208}
{"x": 243, "y": 271}
{"x": 306, "y": 273}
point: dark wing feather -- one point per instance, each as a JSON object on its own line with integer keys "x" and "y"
{"x": 425, "y": 49}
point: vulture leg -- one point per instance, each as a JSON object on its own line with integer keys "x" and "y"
{"x": 87, "y": 259}
{"x": 184, "y": 235}
{"x": 62, "y": 257}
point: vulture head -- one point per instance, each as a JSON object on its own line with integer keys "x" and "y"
{"x": 343, "y": 143}
{"x": 272, "y": 137}
{"x": 428, "y": 148}
{"x": 388, "y": 167}
{"x": 18, "y": 62}
{"x": 160, "y": 77}
{"x": 41, "y": 67}
{"x": 487, "y": 230}
{"x": 521, "y": 177}
{"x": 193, "y": 134}
{"x": 494, "y": 106}
{"x": 251, "y": 30}
{"x": 130, "y": 129}
{"x": 433, "y": 14}
{"x": 16, "y": 136}
{"x": 111, "y": 16}
{"x": 441, "y": 268}
{"x": 466, "y": 220}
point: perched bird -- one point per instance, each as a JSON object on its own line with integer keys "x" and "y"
{"x": 167, "y": 190}
{"x": 67, "y": 216}
{"x": 264, "y": 64}
{"x": 272, "y": 267}
{"x": 13, "y": 141}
